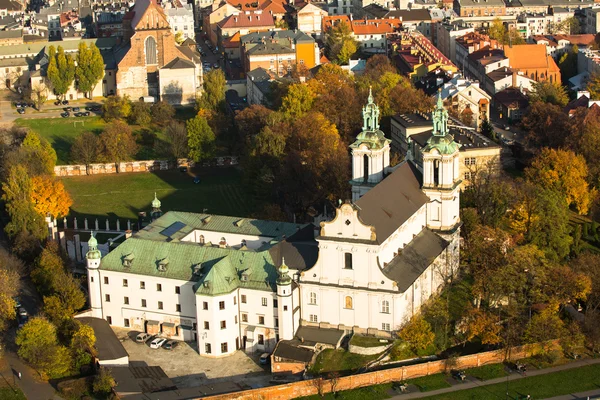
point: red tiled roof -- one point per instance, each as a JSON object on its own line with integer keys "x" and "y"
{"x": 251, "y": 20}
{"x": 375, "y": 26}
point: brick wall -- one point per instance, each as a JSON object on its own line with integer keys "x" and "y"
{"x": 307, "y": 388}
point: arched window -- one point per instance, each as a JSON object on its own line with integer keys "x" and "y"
{"x": 347, "y": 260}
{"x": 201, "y": 239}
{"x": 313, "y": 298}
{"x": 365, "y": 168}
{"x": 150, "y": 50}
{"x": 436, "y": 172}
{"x": 385, "y": 307}
{"x": 551, "y": 78}
{"x": 348, "y": 302}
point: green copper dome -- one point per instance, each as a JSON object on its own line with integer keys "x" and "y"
{"x": 93, "y": 252}
{"x": 284, "y": 277}
{"x": 441, "y": 140}
{"x": 443, "y": 144}
{"x": 155, "y": 202}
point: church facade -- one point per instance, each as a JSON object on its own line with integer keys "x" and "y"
{"x": 233, "y": 283}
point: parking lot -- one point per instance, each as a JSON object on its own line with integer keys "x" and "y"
{"x": 187, "y": 368}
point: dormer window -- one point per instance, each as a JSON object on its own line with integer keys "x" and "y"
{"x": 162, "y": 265}
{"x": 128, "y": 260}
{"x": 206, "y": 284}
{"x": 244, "y": 277}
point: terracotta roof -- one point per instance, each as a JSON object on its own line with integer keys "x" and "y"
{"x": 273, "y": 7}
{"x": 328, "y": 22}
{"x": 529, "y": 56}
{"x": 375, "y": 26}
{"x": 324, "y": 60}
{"x": 580, "y": 40}
{"x": 251, "y": 20}
{"x": 232, "y": 42}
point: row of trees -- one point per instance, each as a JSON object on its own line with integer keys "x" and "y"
{"x": 87, "y": 69}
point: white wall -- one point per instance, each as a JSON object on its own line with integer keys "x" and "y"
{"x": 215, "y": 335}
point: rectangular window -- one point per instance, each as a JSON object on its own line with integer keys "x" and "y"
{"x": 235, "y": 319}
{"x": 207, "y": 348}
{"x": 348, "y": 260}
{"x": 109, "y": 320}
{"x": 224, "y": 347}
{"x": 194, "y": 326}
{"x": 160, "y": 305}
{"x": 126, "y": 322}
{"x": 385, "y": 327}
{"x": 244, "y": 317}
{"x": 264, "y": 301}
{"x": 106, "y": 280}
{"x": 223, "y": 324}
{"x": 274, "y": 303}
{"x": 243, "y": 299}
{"x": 177, "y": 307}
{"x": 221, "y": 305}
{"x": 206, "y": 325}
{"x": 142, "y": 285}
{"x": 92, "y": 279}
{"x": 177, "y": 290}
{"x": 234, "y": 300}
{"x": 284, "y": 308}
{"x": 125, "y": 300}
{"x": 261, "y": 339}
{"x": 261, "y": 320}
{"x": 313, "y": 318}
{"x": 143, "y": 302}
{"x": 276, "y": 322}
{"x": 125, "y": 283}
{"x": 158, "y": 287}
{"x": 107, "y": 298}
{"x": 204, "y": 305}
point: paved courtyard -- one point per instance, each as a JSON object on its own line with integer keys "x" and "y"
{"x": 187, "y": 368}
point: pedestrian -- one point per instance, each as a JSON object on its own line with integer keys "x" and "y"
{"x": 19, "y": 376}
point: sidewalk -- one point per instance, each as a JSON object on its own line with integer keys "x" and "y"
{"x": 32, "y": 387}
{"x": 510, "y": 378}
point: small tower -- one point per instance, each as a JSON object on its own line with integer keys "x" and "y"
{"x": 156, "y": 212}
{"x": 285, "y": 312}
{"x": 370, "y": 152}
{"x": 93, "y": 258}
{"x": 441, "y": 180}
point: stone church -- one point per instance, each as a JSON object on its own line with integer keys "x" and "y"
{"x": 231, "y": 283}
{"x": 150, "y": 63}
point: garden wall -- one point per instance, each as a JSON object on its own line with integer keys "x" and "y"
{"x": 367, "y": 351}
{"x": 310, "y": 387}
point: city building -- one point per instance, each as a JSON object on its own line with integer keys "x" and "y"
{"x": 415, "y": 56}
{"x": 244, "y": 23}
{"x": 533, "y": 61}
{"x": 309, "y": 19}
{"x": 480, "y": 8}
{"x": 233, "y": 283}
{"x": 181, "y": 18}
{"x": 511, "y": 104}
{"x": 470, "y": 43}
{"x": 483, "y": 61}
{"x": 557, "y": 45}
{"x": 446, "y": 36}
{"x": 258, "y": 86}
{"x": 371, "y": 34}
{"x": 505, "y": 77}
{"x": 466, "y": 100}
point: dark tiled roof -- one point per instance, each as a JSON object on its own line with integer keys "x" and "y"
{"x": 410, "y": 120}
{"x": 415, "y": 258}
{"x": 179, "y": 63}
{"x": 108, "y": 345}
{"x": 290, "y": 350}
{"x": 313, "y": 335}
{"x": 270, "y": 48}
{"x": 393, "y": 201}
{"x": 410, "y": 15}
{"x": 141, "y": 380}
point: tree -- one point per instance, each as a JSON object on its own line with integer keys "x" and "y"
{"x": 90, "y": 68}
{"x": 589, "y": 265}
{"x": 49, "y": 267}
{"x": 162, "y": 112}
{"x": 546, "y": 125}
{"x": 179, "y": 38}
{"x": 564, "y": 285}
{"x": 497, "y": 30}
{"x": 298, "y": 101}
{"x": 340, "y": 43}
{"x": 117, "y": 142}
{"x": 417, "y": 333}
{"x": 568, "y": 64}
{"x": 38, "y": 345}
{"x": 84, "y": 339}
{"x": 483, "y": 325}
{"x": 213, "y": 96}
{"x": 61, "y": 71}
{"x": 50, "y": 197}
{"x": 10, "y": 282}
{"x": 549, "y": 92}
{"x": 86, "y": 148}
{"x": 566, "y": 173}
{"x": 17, "y": 198}
{"x": 140, "y": 113}
{"x": 67, "y": 298}
{"x": 487, "y": 129}
{"x": 38, "y": 94}
{"x": 103, "y": 382}
{"x": 116, "y": 107}
{"x": 39, "y": 154}
{"x": 250, "y": 121}
{"x": 543, "y": 327}
{"x": 201, "y": 139}
{"x": 178, "y": 141}
{"x": 593, "y": 86}
{"x": 585, "y": 139}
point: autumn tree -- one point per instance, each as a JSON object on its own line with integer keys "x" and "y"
{"x": 38, "y": 94}
{"x": 588, "y": 264}
{"x": 250, "y": 121}
{"x": 65, "y": 300}
{"x": 546, "y": 125}
{"x": 483, "y": 325}
{"x": 549, "y": 92}
{"x": 38, "y": 155}
{"x": 177, "y": 137}
{"x": 585, "y": 139}
{"x": 86, "y": 148}
{"x": 593, "y": 86}
{"x": 213, "y": 95}
{"x": 201, "y": 139}
{"x": 340, "y": 43}
{"x": 90, "y": 68}
{"x": 566, "y": 173}
{"x": 417, "y": 333}
{"x": 116, "y": 107}
{"x": 140, "y": 113}
{"x": 117, "y": 142}
{"x": 82, "y": 345}
{"x": 162, "y": 112}
{"x": 298, "y": 101}
{"x": 564, "y": 285}
{"x": 10, "y": 283}
{"x": 50, "y": 197}
{"x": 567, "y": 63}
{"x": 48, "y": 268}
{"x": 61, "y": 70}
{"x": 103, "y": 382}
{"x": 497, "y": 30}
{"x": 544, "y": 326}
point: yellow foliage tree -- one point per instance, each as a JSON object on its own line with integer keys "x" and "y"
{"x": 566, "y": 172}
{"x": 417, "y": 333}
{"x": 483, "y": 325}
{"x": 50, "y": 197}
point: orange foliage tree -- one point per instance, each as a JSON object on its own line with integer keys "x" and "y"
{"x": 50, "y": 197}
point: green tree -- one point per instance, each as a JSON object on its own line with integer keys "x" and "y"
{"x": 201, "y": 139}
{"x": 298, "y": 101}
{"x": 61, "y": 71}
{"x": 140, "y": 113}
{"x": 116, "y": 107}
{"x": 340, "y": 43}
{"x": 549, "y": 92}
{"x": 16, "y": 195}
{"x": 543, "y": 327}
{"x": 67, "y": 298}
{"x": 497, "y": 30}
{"x": 593, "y": 86}
{"x": 40, "y": 156}
{"x": 487, "y": 129}
{"x": 417, "y": 333}
{"x": 162, "y": 112}
{"x": 48, "y": 267}
{"x": 213, "y": 95}
{"x": 103, "y": 382}
{"x": 86, "y": 148}
{"x": 118, "y": 143}
{"x": 568, "y": 64}
{"x": 90, "y": 68}
{"x": 178, "y": 141}
{"x": 10, "y": 282}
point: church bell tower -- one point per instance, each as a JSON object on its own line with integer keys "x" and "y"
{"x": 370, "y": 152}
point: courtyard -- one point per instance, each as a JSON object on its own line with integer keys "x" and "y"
{"x": 187, "y": 368}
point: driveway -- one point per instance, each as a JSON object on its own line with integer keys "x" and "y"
{"x": 187, "y": 368}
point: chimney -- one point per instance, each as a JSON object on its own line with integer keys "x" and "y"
{"x": 514, "y": 79}
{"x": 128, "y": 233}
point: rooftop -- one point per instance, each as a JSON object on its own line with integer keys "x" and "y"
{"x": 250, "y": 20}
{"x": 108, "y": 345}
{"x": 291, "y": 350}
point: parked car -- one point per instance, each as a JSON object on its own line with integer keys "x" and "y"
{"x": 95, "y": 108}
{"x": 22, "y": 312}
{"x": 142, "y": 337}
{"x": 78, "y": 114}
{"x": 65, "y": 102}
{"x": 65, "y": 115}
{"x": 170, "y": 345}
{"x": 86, "y": 114}
{"x": 75, "y": 109}
{"x": 21, "y": 110}
{"x": 23, "y": 321}
{"x": 264, "y": 358}
{"x": 157, "y": 343}
{"x": 67, "y": 109}
{"x": 57, "y": 103}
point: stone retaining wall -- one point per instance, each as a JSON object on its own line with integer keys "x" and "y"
{"x": 368, "y": 351}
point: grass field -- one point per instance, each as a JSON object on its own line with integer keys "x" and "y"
{"x": 7, "y": 393}
{"x": 124, "y": 195}
{"x": 340, "y": 360}
{"x": 61, "y": 132}
{"x": 539, "y": 387}
{"x": 429, "y": 383}
{"x": 487, "y": 371}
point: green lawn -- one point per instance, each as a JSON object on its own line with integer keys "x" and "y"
{"x": 429, "y": 383}
{"x": 124, "y": 195}
{"x": 7, "y": 393}
{"x": 539, "y": 387}
{"x": 376, "y": 392}
{"x": 340, "y": 360}
{"x": 486, "y": 372}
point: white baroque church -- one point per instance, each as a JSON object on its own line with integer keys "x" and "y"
{"x": 232, "y": 283}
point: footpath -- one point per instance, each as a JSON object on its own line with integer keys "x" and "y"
{"x": 32, "y": 387}
{"x": 593, "y": 394}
